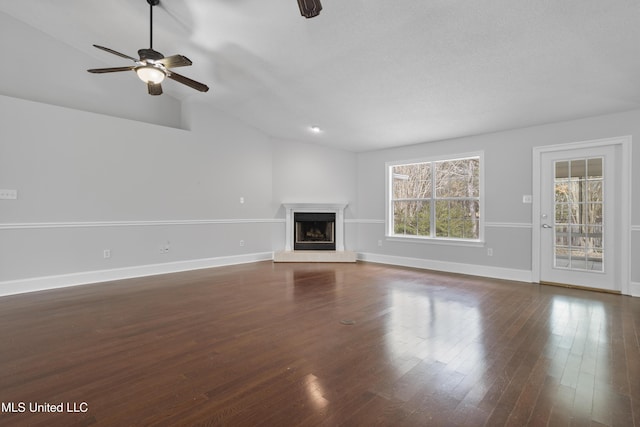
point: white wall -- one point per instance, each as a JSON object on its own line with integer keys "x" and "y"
{"x": 508, "y": 176}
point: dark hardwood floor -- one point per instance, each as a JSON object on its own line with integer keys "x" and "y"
{"x": 319, "y": 344}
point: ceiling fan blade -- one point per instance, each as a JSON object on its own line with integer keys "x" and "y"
{"x": 106, "y": 49}
{"x": 111, "y": 70}
{"x": 175, "y": 61}
{"x": 187, "y": 81}
{"x": 154, "y": 88}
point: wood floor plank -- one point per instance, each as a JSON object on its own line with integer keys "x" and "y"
{"x": 320, "y": 345}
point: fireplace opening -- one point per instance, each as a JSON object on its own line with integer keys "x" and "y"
{"x": 314, "y": 231}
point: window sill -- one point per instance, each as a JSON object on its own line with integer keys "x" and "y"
{"x": 435, "y": 241}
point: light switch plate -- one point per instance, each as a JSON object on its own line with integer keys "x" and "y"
{"x": 8, "y": 194}
{"x": 527, "y": 198}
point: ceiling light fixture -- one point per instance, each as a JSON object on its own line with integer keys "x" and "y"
{"x": 150, "y": 74}
{"x": 315, "y": 129}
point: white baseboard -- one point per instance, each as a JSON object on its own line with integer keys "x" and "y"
{"x": 451, "y": 267}
{"x": 20, "y": 286}
{"x": 35, "y": 284}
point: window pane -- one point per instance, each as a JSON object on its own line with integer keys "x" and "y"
{"x": 561, "y": 258}
{"x": 594, "y": 168}
{"x": 574, "y": 191}
{"x": 562, "y": 213}
{"x": 457, "y": 219}
{"x": 411, "y": 218}
{"x": 442, "y": 218}
{"x": 562, "y": 192}
{"x": 595, "y": 237}
{"x": 457, "y": 178}
{"x": 562, "y": 237}
{"x": 577, "y": 237}
{"x": 593, "y": 213}
{"x": 578, "y": 168}
{"x": 594, "y": 260}
{"x": 411, "y": 181}
{"x": 423, "y": 218}
{"x": 562, "y": 170}
{"x": 402, "y": 218}
{"x": 594, "y": 191}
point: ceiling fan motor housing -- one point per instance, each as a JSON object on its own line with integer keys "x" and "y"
{"x": 150, "y": 54}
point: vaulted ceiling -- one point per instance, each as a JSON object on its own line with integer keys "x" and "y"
{"x": 370, "y": 73}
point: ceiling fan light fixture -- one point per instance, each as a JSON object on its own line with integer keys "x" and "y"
{"x": 150, "y": 74}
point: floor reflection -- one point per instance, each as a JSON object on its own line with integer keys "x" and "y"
{"x": 429, "y": 328}
{"x": 314, "y": 284}
{"x": 473, "y": 347}
{"x": 578, "y": 349}
{"x": 315, "y": 392}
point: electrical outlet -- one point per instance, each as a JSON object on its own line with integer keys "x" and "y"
{"x": 241, "y": 200}
{"x": 489, "y": 251}
{"x": 106, "y": 253}
{"x": 241, "y": 242}
{"x": 379, "y": 242}
{"x": 527, "y": 198}
{"x": 8, "y": 194}
{"x": 165, "y": 248}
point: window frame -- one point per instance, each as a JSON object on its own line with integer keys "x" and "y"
{"x": 389, "y": 225}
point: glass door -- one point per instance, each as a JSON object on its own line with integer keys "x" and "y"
{"x": 577, "y": 201}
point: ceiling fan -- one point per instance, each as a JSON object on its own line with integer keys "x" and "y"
{"x": 153, "y": 67}
{"x": 309, "y": 8}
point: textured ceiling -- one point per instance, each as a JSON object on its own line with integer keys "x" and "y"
{"x": 370, "y": 73}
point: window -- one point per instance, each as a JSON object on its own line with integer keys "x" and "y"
{"x": 435, "y": 199}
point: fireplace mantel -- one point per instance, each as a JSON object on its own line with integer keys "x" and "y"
{"x": 290, "y": 255}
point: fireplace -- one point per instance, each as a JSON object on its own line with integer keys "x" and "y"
{"x": 314, "y": 231}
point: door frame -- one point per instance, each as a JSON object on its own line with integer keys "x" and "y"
{"x": 622, "y": 264}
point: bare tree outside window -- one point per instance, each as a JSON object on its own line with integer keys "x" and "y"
{"x": 436, "y": 199}
{"x": 578, "y": 211}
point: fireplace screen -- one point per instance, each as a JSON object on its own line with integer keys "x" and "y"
{"x": 314, "y": 231}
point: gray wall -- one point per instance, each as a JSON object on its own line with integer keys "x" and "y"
{"x": 508, "y": 176}
{"x": 89, "y": 182}
{"x": 47, "y": 64}
{"x": 307, "y": 173}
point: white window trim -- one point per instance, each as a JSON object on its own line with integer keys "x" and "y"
{"x": 424, "y": 239}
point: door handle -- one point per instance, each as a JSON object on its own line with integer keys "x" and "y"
{"x": 546, "y": 226}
